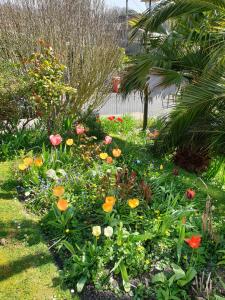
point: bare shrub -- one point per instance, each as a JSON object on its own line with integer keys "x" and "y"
{"x": 82, "y": 32}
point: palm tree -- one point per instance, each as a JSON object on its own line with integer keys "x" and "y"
{"x": 193, "y": 51}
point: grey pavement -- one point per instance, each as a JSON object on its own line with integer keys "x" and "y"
{"x": 133, "y": 105}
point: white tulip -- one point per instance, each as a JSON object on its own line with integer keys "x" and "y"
{"x": 108, "y": 231}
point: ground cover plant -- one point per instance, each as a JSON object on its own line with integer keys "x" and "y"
{"x": 125, "y": 223}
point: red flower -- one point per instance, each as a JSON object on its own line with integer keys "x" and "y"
{"x": 190, "y": 194}
{"x": 111, "y": 118}
{"x": 194, "y": 242}
{"x": 120, "y": 120}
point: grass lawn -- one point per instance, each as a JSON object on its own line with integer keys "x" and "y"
{"x": 27, "y": 270}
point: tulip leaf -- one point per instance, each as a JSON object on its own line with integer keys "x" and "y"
{"x": 81, "y": 283}
{"x": 189, "y": 276}
{"x": 160, "y": 277}
{"x": 125, "y": 277}
{"x": 69, "y": 247}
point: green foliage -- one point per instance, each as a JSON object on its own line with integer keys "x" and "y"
{"x": 189, "y": 54}
{"x": 172, "y": 288}
{"x": 118, "y": 125}
{"x": 50, "y": 96}
{"x": 147, "y": 238}
{"x": 13, "y": 103}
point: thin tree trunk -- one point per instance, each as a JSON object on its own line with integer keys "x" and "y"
{"x": 145, "y": 117}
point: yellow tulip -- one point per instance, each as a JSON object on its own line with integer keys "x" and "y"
{"x": 28, "y": 161}
{"x": 69, "y": 142}
{"x": 23, "y": 167}
{"x": 96, "y": 231}
{"x": 133, "y": 203}
{"x": 103, "y": 155}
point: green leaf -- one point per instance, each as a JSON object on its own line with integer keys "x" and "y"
{"x": 69, "y": 247}
{"x": 160, "y": 277}
{"x": 125, "y": 277}
{"x": 189, "y": 276}
{"x": 81, "y": 283}
{"x": 179, "y": 273}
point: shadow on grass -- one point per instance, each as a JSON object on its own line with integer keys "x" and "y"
{"x": 25, "y": 230}
{"x": 7, "y": 196}
{"x": 26, "y": 262}
{"x": 9, "y": 185}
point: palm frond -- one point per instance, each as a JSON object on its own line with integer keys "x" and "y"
{"x": 166, "y": 10}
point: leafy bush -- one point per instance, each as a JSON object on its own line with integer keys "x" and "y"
{"x": 50, "y": 96}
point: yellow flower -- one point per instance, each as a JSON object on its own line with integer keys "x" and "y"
{"x": 69, "y": 142}
{"x": 103, "y": 155}
{"x": 110, "y": 200}
{"x": 28, "y": 161}
{"x": 96, "y": 231}
{"x": 116, "y": 152}
{"x": 133, "y": 203}
{"x": 22, "y": 167}
{"x": 161, "y": 167}
{"x": 38, "y": 161}
{"x": 58, "y": 191}
{"x": 107, "y": 207}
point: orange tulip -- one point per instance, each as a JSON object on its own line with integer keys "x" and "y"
{"x": 116, "y": 152}
{"x": 110, "y": 200}
{"x": 107, "y": 207}
{"x": 62, "y": 204}
{"x": 38, "y": 162}
{"x": 109, "y": 160}
{"x": 58, "y": 191}
{"x": 133, "y": 203}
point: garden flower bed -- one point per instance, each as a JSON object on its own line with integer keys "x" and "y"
{"x": 125, "y": 224}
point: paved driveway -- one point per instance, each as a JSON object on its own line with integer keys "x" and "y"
{"x": 133, "y": 104}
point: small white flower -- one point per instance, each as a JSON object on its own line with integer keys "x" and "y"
{"x": 27, "y": 194}
{"x": 52, "y": 174}
{"x": 72, "y": 291}
{"x": 108, "y": 231}
{"x": 96, "y": 231}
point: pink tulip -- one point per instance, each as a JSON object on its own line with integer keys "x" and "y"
{"x": 108, "y": 140}
{"x": 55, "y": 139}
{"x": 80, "y": 129}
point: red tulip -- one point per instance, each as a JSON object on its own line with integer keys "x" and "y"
{"x": 120, "y": 120}
{"x": 190, "y": 194}
{"x": 194, "y": 242}
{"x": 111, "y": 118}
{"x": 55, "y": 139}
